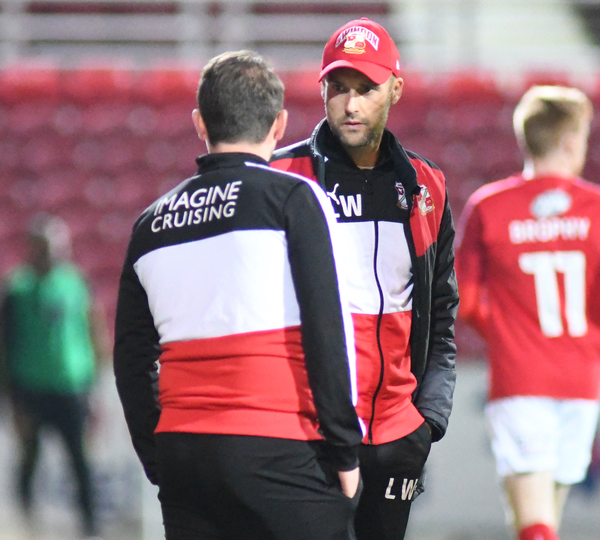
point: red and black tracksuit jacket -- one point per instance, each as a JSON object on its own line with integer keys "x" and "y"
{"x": 397, "y": 227}
{"x": 231, "y": 284}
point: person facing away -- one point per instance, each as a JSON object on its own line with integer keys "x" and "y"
{"x": 396, "y": 225}
{"x": 53, "y": 334}
{"x": 231, "y": 283}
{"x": 528, "y": 264}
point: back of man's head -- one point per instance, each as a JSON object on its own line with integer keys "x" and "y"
{"x": 239, "y": 98}
{"x": 546, "y": 114}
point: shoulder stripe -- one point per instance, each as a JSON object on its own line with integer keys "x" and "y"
{"x": 413, "y": 155}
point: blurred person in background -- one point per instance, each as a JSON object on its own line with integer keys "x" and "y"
{"x": 231, "y": 283}
{"x": 528, "y": 267}
{"x": 53, "y": 334}
{"x": 393, "y": 214}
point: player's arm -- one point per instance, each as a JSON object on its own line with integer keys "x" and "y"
{"x": 327, "y": 330}
{"x": 470, "y": 265}
{"x": 136, "y": 352}
{"x": 475, "y": 307}
{"x": 435, "y": 397}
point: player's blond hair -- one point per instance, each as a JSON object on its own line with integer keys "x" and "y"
{"x": 545, "y": 114}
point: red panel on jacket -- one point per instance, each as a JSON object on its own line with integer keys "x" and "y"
{"x": 214, "y": 386}
{"x": 429, "y": 206}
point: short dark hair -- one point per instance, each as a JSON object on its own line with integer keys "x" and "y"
{"x": 54, "y": 232}
{"x": 239, "y": 97}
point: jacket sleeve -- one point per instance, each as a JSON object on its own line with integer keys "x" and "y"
{"x": 327, "y": 331}
{"x": 136, "y": 353}
{"x": 470, "y": 269}
{"x": 434, "y": 400}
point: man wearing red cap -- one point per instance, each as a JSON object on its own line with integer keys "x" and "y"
{"x": 393, "y": 213}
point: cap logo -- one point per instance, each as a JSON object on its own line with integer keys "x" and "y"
{"x": 355, "y": 44}
{"x": 355, "y": 38}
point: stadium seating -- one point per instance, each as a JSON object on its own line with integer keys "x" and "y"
{"x": 98, "y": 145}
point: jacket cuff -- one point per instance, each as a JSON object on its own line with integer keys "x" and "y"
{"x": 436, "y": 432}
{"x": 151, "y": 473}
{"x": 344, "y": 459}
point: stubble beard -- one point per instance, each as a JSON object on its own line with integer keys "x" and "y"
{"x": 368, "y": 139}
{"x": 372, "y": 136}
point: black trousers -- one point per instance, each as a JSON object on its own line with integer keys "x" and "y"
{"x": 391, "y": 474}
{"x": 231, "y": 487}
{"x": 67, "y": 414}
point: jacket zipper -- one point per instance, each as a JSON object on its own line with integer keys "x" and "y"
{"x": 379, "y": 318}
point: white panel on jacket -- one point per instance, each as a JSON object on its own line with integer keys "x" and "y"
{"x": 232, "y": 283}
{"x": 394, "y": 267}
{"x": 357, "y": 250}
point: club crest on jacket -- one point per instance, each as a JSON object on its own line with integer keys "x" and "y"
{"x": 425, "y": 200}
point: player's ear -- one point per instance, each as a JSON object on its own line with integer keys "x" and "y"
{"x": 280, "y": 124}
{"x": 568, "y": 143}
{"x": 397, "y": 87}
{"x": 199, "y": 125}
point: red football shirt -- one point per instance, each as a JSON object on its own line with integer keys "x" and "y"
{"x": 531, "y": 250}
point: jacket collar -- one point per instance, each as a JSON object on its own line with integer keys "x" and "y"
{"x": 209, "y": 162}
{"x": 323, "y": 143}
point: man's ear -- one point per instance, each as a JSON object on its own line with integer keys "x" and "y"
{"x": 397, "y": 88}
{"x": 280, "y": 124}
{"x": 569, "y": 141}
{"x": 199, "y": 125}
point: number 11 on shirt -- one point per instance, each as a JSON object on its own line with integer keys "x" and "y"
{"x": 545, "y": 267}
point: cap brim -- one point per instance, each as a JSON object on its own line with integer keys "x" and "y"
{"x": 378, "y": 74}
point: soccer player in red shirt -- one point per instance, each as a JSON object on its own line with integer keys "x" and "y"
{"x": 528, "y": 268}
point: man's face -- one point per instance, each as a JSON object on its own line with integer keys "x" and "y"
{"x": 357, "y": 109}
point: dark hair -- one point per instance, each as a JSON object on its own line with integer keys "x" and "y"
{"x": 239, "y": 97}
{"x": 52, "y": 231}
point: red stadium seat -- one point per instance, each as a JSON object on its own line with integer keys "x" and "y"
{"x": 549, "y": 77}
{"x": 30, "y": 116}
{"x": 82, "y": 219}
{"x": 302, "y": 86}
{"x": 105, "y": 118}
{"x": 119, "y": 152}
{"x": 465, "y": 86}
{"x": 142, "y": 120}
{"x": 175, "y": 120}
{"x": 115, "y": 227}
{"x": 92, "y": 85}
{"x": 41, "y": 152}
{"x": 24, "y": 83}
{"x": 167, "y": 85}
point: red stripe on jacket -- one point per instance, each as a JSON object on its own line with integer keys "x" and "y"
{"x": 298, "y": 165}
{"x": 214, "y": 385}
{"x": 426, "y": 217}
{"x": 394, "y": 415}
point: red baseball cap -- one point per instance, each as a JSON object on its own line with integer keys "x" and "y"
{"x": 365, "y": 46}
